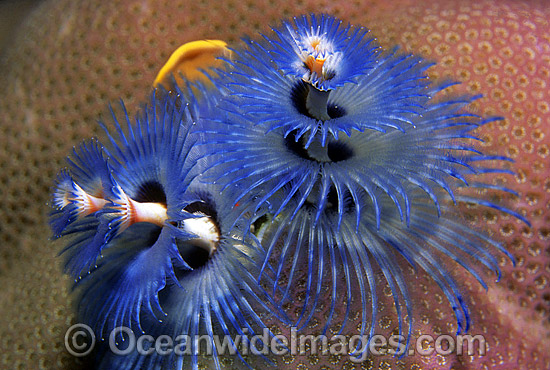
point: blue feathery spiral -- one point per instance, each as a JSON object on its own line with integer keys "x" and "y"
{"x": 387, "y": 91}
{"x": 219, "y": 295}
{"x": 272, "y": 134}
{"x": 347, "y": 200}
{"x": 145, "y": 168}
{"x": 89, "y": 174}
{"x": 342, "y": 255}
{"x": 159, "y": 246}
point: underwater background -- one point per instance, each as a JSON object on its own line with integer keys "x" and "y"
{"x": 69, "y": 59}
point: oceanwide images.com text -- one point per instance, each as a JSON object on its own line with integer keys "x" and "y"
{"x": 80, "y": 341}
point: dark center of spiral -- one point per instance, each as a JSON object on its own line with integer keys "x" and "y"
{"x": 194, "y": 255}
{"x": 334, "y": 151}
{"x": 299, "y": 95}
{"x": 150, "y": 192}
{"x": 338, "y": 151}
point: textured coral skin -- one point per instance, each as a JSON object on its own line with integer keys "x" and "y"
{"x": 71, "y": 58}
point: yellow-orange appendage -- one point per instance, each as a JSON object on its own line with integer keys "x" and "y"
{"x": 188, "y": 61}
{"x": 315, "y": 65}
